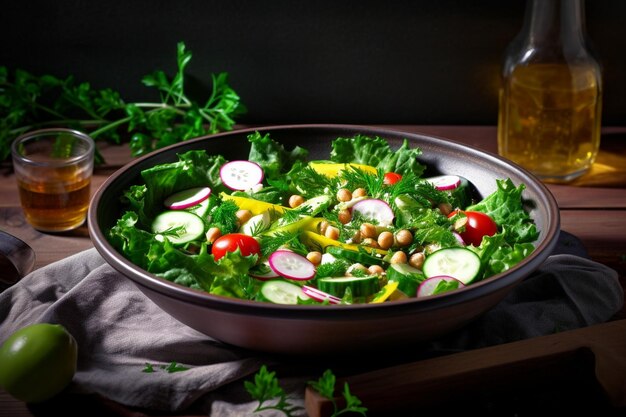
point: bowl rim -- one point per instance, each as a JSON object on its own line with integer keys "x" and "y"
{"x": 148, "y": 281}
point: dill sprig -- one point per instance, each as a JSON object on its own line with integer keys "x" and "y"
{"x": 223, "y": 216}
{"x": 311, "y": 183}
{"x": 272, "y": 242}
{"x": 354, "y": 178}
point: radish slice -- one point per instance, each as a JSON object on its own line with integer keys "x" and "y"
{"x": 445, "y": 182}
{"x": 263, "y": 272}
{"x": 427, "y": 287}
{"x": 187, "y": 198}
{"x": 459, "y": 238}
{"x": 291, "y": 265}
{"x": 374, "y": 209}
{"x": 241, "y": 175}
{"x": 320, "y": 296}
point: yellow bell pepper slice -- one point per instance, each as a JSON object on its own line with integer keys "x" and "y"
{"x": 332, "y": 169}
{"x": 313, "y": 239}
{"x": 306, "y": 223}
{"x": 255, "y": 206}
{"x": 385, "y": 292}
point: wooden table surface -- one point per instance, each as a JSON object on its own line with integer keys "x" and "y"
{"x": 595, "y": 212}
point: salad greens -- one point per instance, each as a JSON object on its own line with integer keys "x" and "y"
{"x": 354, "y": 234}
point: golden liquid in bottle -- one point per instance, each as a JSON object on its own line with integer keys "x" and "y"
{"x": 549, "y": 120}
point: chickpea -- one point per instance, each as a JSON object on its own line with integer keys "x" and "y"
{"x": 344, "y": 195}
{"x": 376, "y": 270}
{"x": 358, "y": 266}
{"x": 398, "y": 257}
{"x": 332, "y": 232}
{"x": 359, "y": 192}
{"x": 243, "y": 216}
{"x": 212, "y": 234}
{"x": 403, "y": 237}
{"x": 314, "y": 257}
{"x": 344, "y": 216}
{"x": 295, "y": 200}
{"x": 368, "y": 230}
{"x": 445, "y": 208}
{"x": 368, "y": 241}
{"x": 323, "y": 226}
{"x": 417, "y": 260}
{"x": 385, "y": 240}
{"x": 356, "y": 238}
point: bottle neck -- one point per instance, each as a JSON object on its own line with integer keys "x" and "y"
{"x": 558, "y": 24}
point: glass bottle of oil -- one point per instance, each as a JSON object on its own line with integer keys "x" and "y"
{"x": 551, "y": 96}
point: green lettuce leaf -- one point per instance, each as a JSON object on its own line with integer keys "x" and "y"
{"x": 376, "y": 152}
{"x": 272, "y": 156}
{"x": 194, "y": 169}
{"x": 360, "y": 149}
{"x": 402, "y": 161}
{"x": 505, "y": 206}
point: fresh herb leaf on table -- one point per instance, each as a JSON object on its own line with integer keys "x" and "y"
{"x": 266, "y": 388}
{"x": 170, "y": 368}
{"x": 29, "y": 102}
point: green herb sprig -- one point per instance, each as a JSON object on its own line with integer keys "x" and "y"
{"x": 326, "y": 387}
{"x": 266, "y": 389}
{"x": 29, "y": 102}
{"x": 170, "y": 368}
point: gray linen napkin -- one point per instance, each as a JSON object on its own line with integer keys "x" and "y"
{"x": 119, "y": 330}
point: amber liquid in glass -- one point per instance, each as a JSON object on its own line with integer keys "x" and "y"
{"x": 549, "y": 120}
{"x": 58, "y": 204}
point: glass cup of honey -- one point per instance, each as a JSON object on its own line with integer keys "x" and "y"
{"x": 53, "y": 168}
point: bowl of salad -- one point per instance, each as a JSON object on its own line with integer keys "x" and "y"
{"x": 319, "y": 239}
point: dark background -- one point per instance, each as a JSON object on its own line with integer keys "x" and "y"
{"x": 402, "y": 62}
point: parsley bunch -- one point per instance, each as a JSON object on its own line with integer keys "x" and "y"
{"x": 29, "y": 102}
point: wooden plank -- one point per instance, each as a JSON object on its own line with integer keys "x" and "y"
{"x": 427, "y": 382}
{"x": 569, "y": 197}
{"x": 602, "y": 232}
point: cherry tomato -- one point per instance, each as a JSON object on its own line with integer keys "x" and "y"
{"x": 478, "y": 225}
{"x": 391, "y": 178}
{"x": 233, "y": 241}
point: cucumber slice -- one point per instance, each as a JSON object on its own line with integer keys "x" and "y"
{"x": 359, "y": 286}
{"x": 178, "y": 226}
{"x": 281, "y": 292}
{"x": 407, "y": 277}
{"x": 355, "y": 256}
{"x": 460, "y": 263}
{"x": 201, "y": 209}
